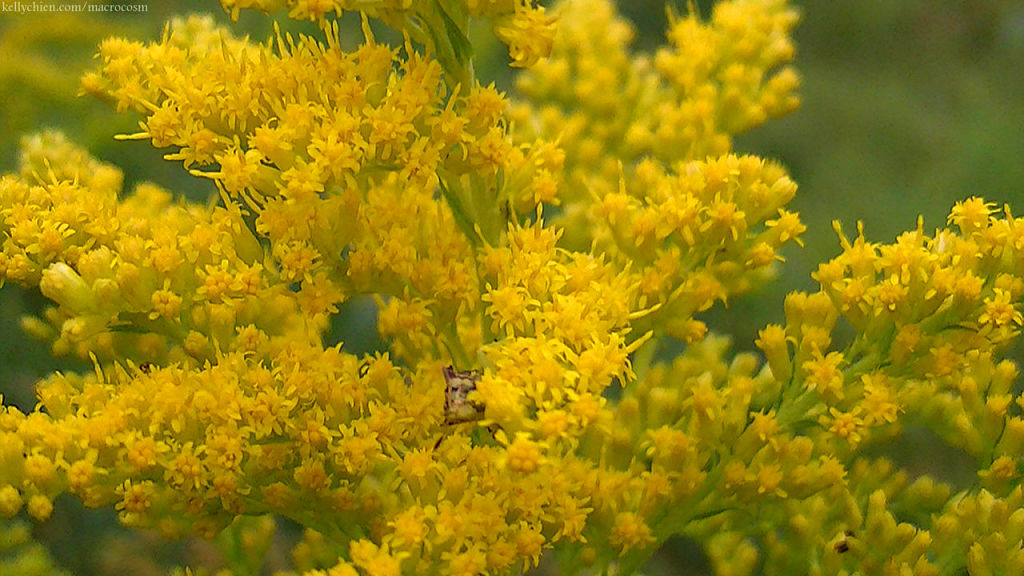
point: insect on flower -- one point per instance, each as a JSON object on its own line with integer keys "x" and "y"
{"x": 458, "y": 408}
{"x": 842, "y": 544}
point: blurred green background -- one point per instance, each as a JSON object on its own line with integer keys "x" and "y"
{"x": 908, "y": 106}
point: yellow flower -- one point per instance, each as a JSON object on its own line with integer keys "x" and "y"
{"x": 768, "y": 479}
{"x": 310, "y": 475}
{"x": 523, "y": 455}
{"x": 141, "y": 452}
{"x": 878, "y": 403}
{"x": 39, "y": 470}
{"x": 409, "y": 527}
{"x": 1003, "y": 468}
{"x": 823, "y": 374}
{"x": 528, "y": 32}
{"x": 39, "y": 507}
{"x": 629, "y": 531}
{"x": 10, "y": 501}
{"x": 508, "y": 307}
{"x": 466, "y": 563}
{"x": 846, "y": 426}
{"x": 970, "y": 215}
{"x": 416, "y": 466}
{"x": 374, "y": 560}
{"x": 999, "y": 310}
{"x": 136, "y": 498}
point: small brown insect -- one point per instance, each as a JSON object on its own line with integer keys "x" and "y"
{"x": 843, "y": 541}
{"x": 147, "y": 367}
{"x": 458, "y": 408}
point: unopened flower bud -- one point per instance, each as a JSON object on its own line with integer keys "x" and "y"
{"x": 64, "y": 286}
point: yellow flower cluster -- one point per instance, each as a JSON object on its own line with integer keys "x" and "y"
{"x": 533, "y": 265}
{"x": 213, "y": 396}
{"x": 648, "y": 179}
{"x": 932, "y": 317}
{"x": 143, "y": 279}
{"x": 612, "y": 108}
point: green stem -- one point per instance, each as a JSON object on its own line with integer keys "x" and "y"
{"x": 453, "y": 194}
{"x": 455, "y": 348}
{"x": 447, "y": 32}
{"x": 462, "y": 219}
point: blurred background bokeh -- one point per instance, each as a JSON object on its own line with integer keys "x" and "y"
{"x": 908, "y": 106}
